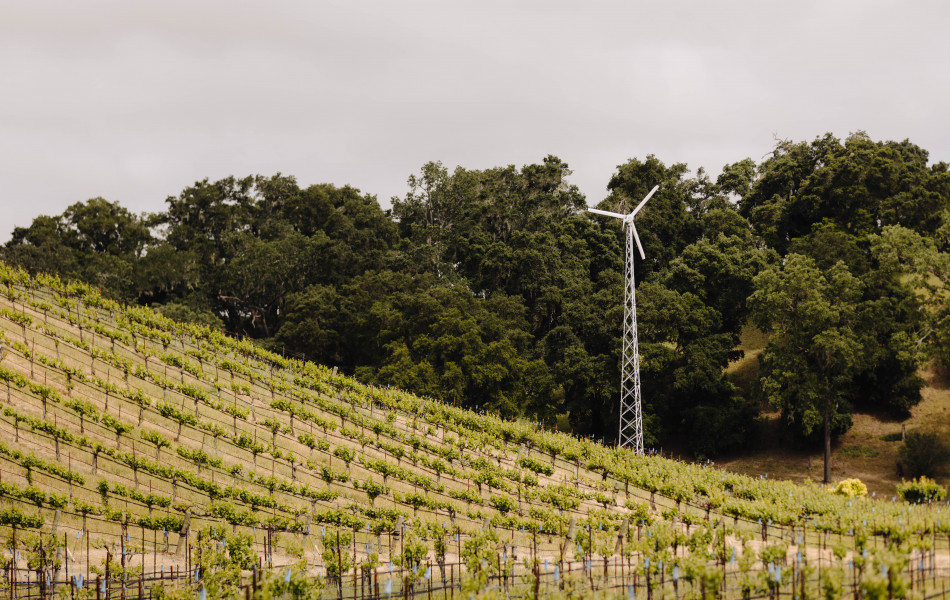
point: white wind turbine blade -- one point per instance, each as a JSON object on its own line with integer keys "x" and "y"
{"x": 636, "y": 238}
{"x": 606, "y": 213}
{"x": 644, "y": 201}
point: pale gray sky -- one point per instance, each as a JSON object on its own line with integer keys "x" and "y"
{"x": 134, "y": 101}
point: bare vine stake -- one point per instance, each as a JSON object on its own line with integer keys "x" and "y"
{"x": 85, "y": 533}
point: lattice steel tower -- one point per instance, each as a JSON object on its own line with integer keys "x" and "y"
{"x": 631, "y": 415}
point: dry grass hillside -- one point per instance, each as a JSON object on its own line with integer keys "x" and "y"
{"x": 869, "y": 451}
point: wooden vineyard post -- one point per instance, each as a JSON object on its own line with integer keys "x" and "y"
{"x": 794, "y": 579}
{"x": 108, "y": 560}
{"x": 339, "y": 552}
{"x": 85, "y": 534}
{"x": 402, "y": 554}
{"x": 723, "y": 586}
{"x": 649, "y": 589}
{"x": 65, "y": 562}
{"x": 122, "y": 560}
{"x": 801, "y": 573}
{"x": 13, "y": 561}
{"x": 534, "y": 563}
{"x": 622, "y": 580}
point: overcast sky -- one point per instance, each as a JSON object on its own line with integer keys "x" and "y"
{"x": 134, "y": 101}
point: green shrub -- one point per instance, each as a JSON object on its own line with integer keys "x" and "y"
{"x": 923, "y": 454}
{"x": 921, "y": 490}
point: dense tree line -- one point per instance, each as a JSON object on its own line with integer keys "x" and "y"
{"x": 495, "y": 289}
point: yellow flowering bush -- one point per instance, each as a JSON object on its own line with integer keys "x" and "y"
{"x": 850, "y": 488}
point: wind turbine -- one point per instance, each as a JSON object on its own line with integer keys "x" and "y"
{"x": 631, "y": 416}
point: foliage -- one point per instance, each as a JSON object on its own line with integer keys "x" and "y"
{"x": 923, "y": 453}
{"x": 345, "y": 454}
{"x": 859, "y": 451}
{"x": 479, "y": 448}
{"x": 502, "y": 504}
{"x": 15, "y": 518}
{"x": 153, "y": 437}
{"x": 481, "y": 558}
{"x": 491, "y": 289}
{"x": 850, "y": 488}
{"x": 921, "y": 490}
{"x": 813, "y": 357}
{"x": 95, "y": 241}
{"x": 373, "y": 489}
{"x": 535, "y": 465}
{"x": 336, "y": 555}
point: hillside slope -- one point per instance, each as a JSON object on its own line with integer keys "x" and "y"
{"x": 868, "y": 451}
{"x": 159, "y": 452}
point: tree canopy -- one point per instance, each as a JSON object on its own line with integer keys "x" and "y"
{"x": 495, "y": 289}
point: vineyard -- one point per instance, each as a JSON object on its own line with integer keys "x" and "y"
{"x": 143, "y": 457}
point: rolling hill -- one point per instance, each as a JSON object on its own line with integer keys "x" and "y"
{"x": 141, "y": 456}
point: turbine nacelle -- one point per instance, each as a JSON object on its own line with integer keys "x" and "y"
{"x": 628, "y": 218}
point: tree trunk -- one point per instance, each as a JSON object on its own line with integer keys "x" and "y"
{"x": 827, "y": 442}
